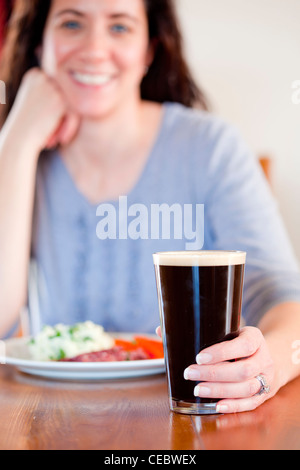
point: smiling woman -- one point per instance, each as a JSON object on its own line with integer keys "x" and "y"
{"x": 78, "y": 74}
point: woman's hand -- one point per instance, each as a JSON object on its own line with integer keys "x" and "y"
{"x": 40, "y": 114}
{"x": 235, "y": 383}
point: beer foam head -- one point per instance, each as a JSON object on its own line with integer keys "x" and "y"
{"x": 199, "y": 258}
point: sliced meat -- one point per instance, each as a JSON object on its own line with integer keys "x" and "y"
{"x": 111, "y": 355}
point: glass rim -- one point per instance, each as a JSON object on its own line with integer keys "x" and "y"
{"x": 200, "y": 258}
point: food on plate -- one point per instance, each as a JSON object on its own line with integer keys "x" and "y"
{"x": 87, "y": 342}
{"x": 58, "y": 342}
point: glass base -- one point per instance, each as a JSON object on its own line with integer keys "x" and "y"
{"x": 184, "y": 407}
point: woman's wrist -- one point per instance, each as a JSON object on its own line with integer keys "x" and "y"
{"x": 16, "y": 140}
{"x": 281, "y": 329}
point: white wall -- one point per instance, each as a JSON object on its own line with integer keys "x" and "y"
{"x": 246, "y": 55}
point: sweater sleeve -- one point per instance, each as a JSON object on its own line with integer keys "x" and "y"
{"x": 242, "y": 214}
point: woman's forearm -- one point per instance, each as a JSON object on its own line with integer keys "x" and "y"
{"x": 17, "y": 182}
{"x": 38, "y": 118}
{"x": 281, "y": 329}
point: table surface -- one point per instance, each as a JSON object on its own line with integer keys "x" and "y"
{"x": 133, "y": 414}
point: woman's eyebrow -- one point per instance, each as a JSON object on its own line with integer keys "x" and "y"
{"x": 68, "y": 11}
{"x": 116, "y": 16}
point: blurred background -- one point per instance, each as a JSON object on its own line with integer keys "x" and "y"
{"x": 246, "y": 55}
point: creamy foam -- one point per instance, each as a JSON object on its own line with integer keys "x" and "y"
{"x": 200, "y": 258}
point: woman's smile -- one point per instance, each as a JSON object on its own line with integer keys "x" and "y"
{"x": 92, "y": 79}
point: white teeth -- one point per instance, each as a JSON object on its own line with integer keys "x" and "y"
{"x": 96, "y": 80}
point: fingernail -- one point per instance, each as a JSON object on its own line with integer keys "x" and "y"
{"x": 191, "y": 374}
{"x": 222, "y": 409}
{"x": 200, "y": 391}
{"x": 203, "y": 358}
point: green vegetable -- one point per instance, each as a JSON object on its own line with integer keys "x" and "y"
{"x": 62, "y": 355}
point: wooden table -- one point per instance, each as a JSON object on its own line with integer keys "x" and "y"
{"x": 39, "y": 414}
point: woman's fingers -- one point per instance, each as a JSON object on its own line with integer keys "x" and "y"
{"x": 65, "y": 132}
{"x": 68, "y": 129}
{"x": 239, "y": 371}
{"x": 42, "y": 106}
{"x": 240, "y": 406}
{"x": 247, "y": 343}
{"x": 246, "y": 389}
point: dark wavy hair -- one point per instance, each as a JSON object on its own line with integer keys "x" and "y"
{"x": 168, "y": 78}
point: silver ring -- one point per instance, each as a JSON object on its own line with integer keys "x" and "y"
{"x": 265, "y": 388}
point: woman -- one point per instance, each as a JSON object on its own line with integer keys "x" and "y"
{"x": 110, "y": 91}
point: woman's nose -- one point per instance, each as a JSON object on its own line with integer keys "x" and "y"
{"x": 96, "y": 45}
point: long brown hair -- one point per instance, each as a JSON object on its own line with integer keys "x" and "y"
{"x": 168, "y": 78}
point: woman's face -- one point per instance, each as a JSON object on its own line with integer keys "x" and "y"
{"x": 97, "y": 52}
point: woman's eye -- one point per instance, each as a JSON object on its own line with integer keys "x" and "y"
{"x": 71, "y": 25}
{"x": 119, "y": 28}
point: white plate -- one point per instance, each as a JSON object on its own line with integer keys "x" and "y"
{"x": 15, "y": 352}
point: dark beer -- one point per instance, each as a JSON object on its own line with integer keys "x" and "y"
{"x": 200, "y": 297}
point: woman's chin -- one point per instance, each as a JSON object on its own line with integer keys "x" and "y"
{"x": 91, "y": 113}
